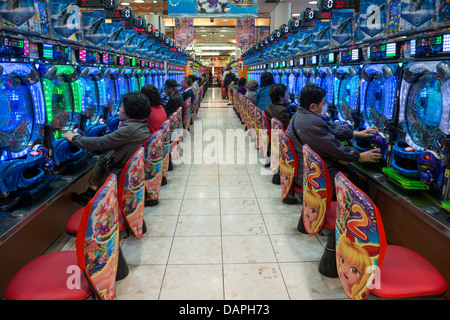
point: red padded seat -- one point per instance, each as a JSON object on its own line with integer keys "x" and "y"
{"x": 405, "y": 274}
{"x": 74, "y": 222}
{"x": 330, "y": 216}
{"x": 44, "y": 278}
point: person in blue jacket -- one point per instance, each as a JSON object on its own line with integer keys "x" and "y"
{"x": 263, "y": 96}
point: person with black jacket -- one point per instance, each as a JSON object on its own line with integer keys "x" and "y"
{"x": 175, "y": 98}
{"x": 278, "y": 109}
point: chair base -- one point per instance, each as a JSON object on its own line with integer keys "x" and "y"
{"x": 327, "y": 265}
{"x": 151, "y": 203}
{"x": 276, "y": 179}
{"x": 122, "y": 267}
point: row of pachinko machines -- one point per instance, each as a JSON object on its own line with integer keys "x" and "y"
{"x": 401, "y": 87}
{"x": 47, "y": 89}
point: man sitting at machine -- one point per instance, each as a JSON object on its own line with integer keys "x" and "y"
{"x": 132, "y": 133}
{"x": 308, "y": 127}
{"x": 175, "y": 98}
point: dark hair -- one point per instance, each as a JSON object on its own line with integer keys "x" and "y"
{"x": 242, "y": 81}
{"x": 136, "y": 105}
{"x": 277, "y": 91}
{"x": 266, "y": 79}
{"x": 152, "y": 93}
{"x": 310, "y": 94}
{"x": 192, "y": 77}
{"x": 188, "y": 80}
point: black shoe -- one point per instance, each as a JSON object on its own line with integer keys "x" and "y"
{"x": 151, "y": 203}
{"x": 290, "y": 200}
{"x": 267, "y": 165}
{"x": 84, "y": 198}
{"x": 276, "y": 179}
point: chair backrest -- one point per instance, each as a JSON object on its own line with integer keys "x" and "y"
{"x": 174, "y": 131}
{"x": 153, "y": 164}
{"x": 264, "y": 135}
{"x": 317, "y": 190}
{"x": 277, "y": 126}
{"x": 166, "y": 141}
{"x": 187, "y": 114}
{"x": 131, "y": 192}
{"x": 179, "y": 118}
{"x": 259, "y": 126}
{"x": 360, "y": 239}
{"x": 97, "y": 242}
{"x": 288, "y": 164}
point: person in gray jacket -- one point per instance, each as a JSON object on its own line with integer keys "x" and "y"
{"x": 132, "y": 133}
{"x": 323, "y": 137}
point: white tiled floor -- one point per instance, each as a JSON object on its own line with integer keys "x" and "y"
{"x": 220, "y": 230}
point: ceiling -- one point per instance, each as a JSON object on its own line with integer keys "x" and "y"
{"x": 218, "y": 38}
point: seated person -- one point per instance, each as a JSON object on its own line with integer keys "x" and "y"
{"x": 252, "y": 88}
{"x": 194, "y": 86}
{"x": 175, "y": 99}
{"x": 158, "y": 114}
{"x": 186, "y": 84}
{"x": 262, "y": 99}
{"x": 324, "y": 138}
{"x": 279, "y": 109}
{"x": 241, "y": 86}
{"x": 132, "y": 133}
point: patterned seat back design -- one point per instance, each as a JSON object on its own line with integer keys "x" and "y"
{"x": 317, "y": 190}
{"x": 187, "y": 114}
{"x": 360, "y": 240}
{"x": 131, "y": 192}
{"x": 277, "y": 127}
{"x": 166, "y": 142}
{"x": 264, "y": 136}
{"x": 153, "y": 163}
{"x": 97, "y": 242}
{"x": 288, "y": 164}
{"x": 174, "y": 132}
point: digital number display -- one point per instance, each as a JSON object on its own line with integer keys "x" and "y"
{"x": 13, "y": 47}
{"x": 429, "y": 46}
{"x": 102, "y": 4}
{"x": 351, "y": 55}
{"x": 327, "y": 5}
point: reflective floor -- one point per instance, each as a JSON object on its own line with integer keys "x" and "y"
{"x": 220, "y": 230}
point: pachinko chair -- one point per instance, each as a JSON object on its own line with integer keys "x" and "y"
{"x": 318, "y": 211}
{"x": 187, "y": 114}
{"x": 166, "y": 142}
{"x": 131, "y": 196}
{"x": 153, "y": 164}
{"x": 176, "y": 130}
{"x": 366, "y": 264}
{"x": 288, "y": 170}
{"x": 91, "y": 269}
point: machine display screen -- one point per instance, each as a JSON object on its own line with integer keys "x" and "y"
{"x": 16, "y": 116}
{"x": 433, "y": 45}
{"x": 105, "y": 58}
{"x": 81, "y": 55}
{"x": 33, "y": 51}
{"x": 385, "y": 51}
{"x": 47, "y": 51}
{"x": 351, "y": 55}
{"x": 13, "y": 47}
{"x": 424, "y": 109}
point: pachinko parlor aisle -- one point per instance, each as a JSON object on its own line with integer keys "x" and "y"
{"x": 314, "y": 167}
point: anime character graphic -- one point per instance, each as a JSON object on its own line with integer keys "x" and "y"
{"x": 287, "y": 170}
{"x": 313, "y": 210}
{"x": 352, "y": 264}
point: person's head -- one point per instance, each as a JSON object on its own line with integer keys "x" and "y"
{"x": 252, "y": 85}
{"x": 134, "y": 105}
{"x": 186, "y": 83}
{"x": 227, "y": 68}
{"x": 170, "y": 87}
{"x": 152, "y": 94}
{"x": 266, "y": 79}
{"x": 193, "y": 78}
{"x": 279, "y": 93}
{"x": 242, "y": 82}
{"x": 312, "y": 98}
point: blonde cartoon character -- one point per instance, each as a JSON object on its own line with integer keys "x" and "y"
{"x": 286, "y": 177}
{"x": 313, "y": 210}
{"x": 352, "y": 263}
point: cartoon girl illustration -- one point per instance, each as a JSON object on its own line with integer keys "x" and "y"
{"x": 286, "y": 177}
{"x": 352, "y": 263}
{"x": 313, "y": 210}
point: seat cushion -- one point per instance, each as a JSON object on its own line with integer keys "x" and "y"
{"x": 330, "y": 216}
{"x": 47, "y": 278}
{"x": 406, "y": 274}
{"x": 74, "y": 222}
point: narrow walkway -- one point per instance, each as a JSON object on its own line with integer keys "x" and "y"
{"x": 220, "y": 230}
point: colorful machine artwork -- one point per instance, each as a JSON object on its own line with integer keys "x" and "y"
{"x": 288, "y": 164}
{"x": 98, "y": 240}
{"x": 276, "y": 126}
{"x": 360, "y": 240}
